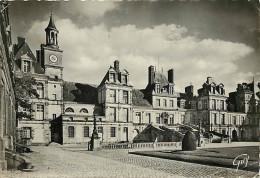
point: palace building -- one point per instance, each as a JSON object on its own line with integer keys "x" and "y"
{"x": 7, "y": 94}
{"x": 65, "y": 111}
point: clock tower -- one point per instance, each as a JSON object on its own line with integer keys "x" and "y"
{"x": 50, "y": 56}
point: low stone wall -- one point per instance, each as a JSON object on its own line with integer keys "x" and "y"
{"x": 140, "y": 145}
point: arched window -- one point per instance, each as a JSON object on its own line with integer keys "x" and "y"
{"x": 69, "y": 110}
{"x": 52, "y": 37}
{"x": 84, "y": 110}
{"x": 40, "y": 90}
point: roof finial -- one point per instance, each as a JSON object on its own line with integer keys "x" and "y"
{"x": 159, "y": 63}
{"x": 51, "y": 9}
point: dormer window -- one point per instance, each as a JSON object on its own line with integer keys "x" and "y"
{"x": 222, "y": 91}
{"x": 112, "y": 77}
{"x": 214, "y": 90}
{"x": 157, "y": 89}
{"x": 171, "y": 90}
{"x": 124, "y": 79}
{"x": 26, "y": 66}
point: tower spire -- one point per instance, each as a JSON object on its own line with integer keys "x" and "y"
{"x": 51, "y": 33}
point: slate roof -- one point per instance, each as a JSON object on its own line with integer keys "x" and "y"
{"x": 23, "y": 49}
{"x": 161, "y": 78}
{"x": 79, "y": 92}
{"x": 51, "y": 24}
{"x": 88, "y": 94}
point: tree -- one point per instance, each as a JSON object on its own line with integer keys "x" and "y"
{"x": 24, "y": 91}
{"x": 189, "y": 142}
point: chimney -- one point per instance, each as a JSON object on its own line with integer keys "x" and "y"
{"x": 21, "y": 41}
{"x": 189, "y": 90}
{"x": 171, "y": 76}
{"x": 116, "y": 65}
{"x": 38, "y": 55}
{"x": 151, "y": 75}
{"x": 209, "y": 80}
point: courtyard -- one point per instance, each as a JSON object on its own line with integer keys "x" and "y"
{"x": 68, "y": 161}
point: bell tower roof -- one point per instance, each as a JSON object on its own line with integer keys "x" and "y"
{"x": 51, "y": 25}
{"x": 51, "y": 34}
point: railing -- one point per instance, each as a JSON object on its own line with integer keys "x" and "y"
{"x": 139, "y": 145}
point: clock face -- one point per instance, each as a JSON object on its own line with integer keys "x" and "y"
{"x": 53, "y": 58}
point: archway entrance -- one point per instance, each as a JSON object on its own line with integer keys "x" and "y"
{"x": 242, "y": 134}
{"x": 234, "y": 135}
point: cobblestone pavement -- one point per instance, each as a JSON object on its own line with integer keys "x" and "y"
{"x": 56, "y": 162}
{"x": 77, "y": 162}
{"x": 172, "y": 167}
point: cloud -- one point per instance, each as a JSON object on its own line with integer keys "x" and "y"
{"x": 89, "y": 9}
{"x": 88, "y": 53}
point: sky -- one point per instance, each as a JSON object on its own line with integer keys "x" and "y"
{"x": 196, "y": 39}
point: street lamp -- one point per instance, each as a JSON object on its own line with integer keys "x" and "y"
{"x": 199, "y": 144}
{"x": 94, "y": 134}
{"x": 229, "y": 130}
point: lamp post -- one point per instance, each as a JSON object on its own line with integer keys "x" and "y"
{"x": 199, "y": 144}
{"x": 94, "y": 134}
{"x": 228, "y": 130}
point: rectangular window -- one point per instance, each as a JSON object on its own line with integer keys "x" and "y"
{"x": 112, "y": 77}
{"x": 158, "y": 102}
{"x": 112, "y": 96}
{"x": 182, "y": 119}
{"x": 100, "y": 129}
{"x": 125, "y": 97}
{"x": 125, "y": 114}
{"x": 234, "y": 120}
{"x": 26, "y": 66}
{"x": 40, "y": 112}
{"x": 124, "y": 79}
{"x": 222, "y": 105}
{"x": 54, "y": 116}
{"x": 215, "y": 119}
{"x": 222, "y": 118}
{"x": 112, "y": 131}
{"x": 26, "y": 132}
{"x": 158, "y": 118}
{"x": 149, "y": 117}
{"x": 138, "y": 117}
{"x": 113, "y": 114}
{"x": 171, "y": 104}
{"x": 165, "y": 103}
{"x": 86, "y": 131}
{"x": 71, "y": 131}
{"x": 172, "y": 119}
{"x": 40, "y": 90}
{"x": 214, "y": 104}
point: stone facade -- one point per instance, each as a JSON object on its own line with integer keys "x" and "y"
{"x": 210, "y": 109}
{"x": 247, "y": 100}
{"x": 47, "y": 70}
{"x": 7, "y": 97}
